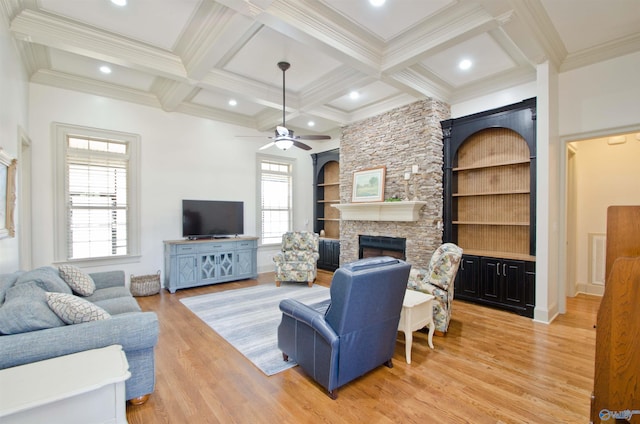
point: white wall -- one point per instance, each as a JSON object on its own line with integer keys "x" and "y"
{"x": 601, "y": 96}
{"x": 605, "y": 176}
{"x": 13, "y": 115}
{"x": 182, "y": 157}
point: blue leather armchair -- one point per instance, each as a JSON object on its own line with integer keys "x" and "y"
{"x": 359, "y": 329}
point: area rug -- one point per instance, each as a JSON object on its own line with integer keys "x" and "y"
{"x": 248, "y": 318}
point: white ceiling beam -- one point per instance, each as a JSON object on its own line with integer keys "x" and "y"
{"x": 450, "y": 27}
{"x": 424, "y": 82}
{"x": 314, "y": 24}
{"x": 212, "y": 27}
{"x": 171, "y": 93}
{"x": 333, "y": 85}
{"x": 52, "y": 31}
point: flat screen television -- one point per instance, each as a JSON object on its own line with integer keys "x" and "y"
{"x": 212, "y": 218}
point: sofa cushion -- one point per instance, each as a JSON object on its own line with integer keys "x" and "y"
{"x": 109, "y": 293}
{"x": 74, "y": 310}
{"x": 120, "y": 305}
{"x": 25, "y": 309}
{"x": 79, "y": 281}
{"x": 48, "y": 277}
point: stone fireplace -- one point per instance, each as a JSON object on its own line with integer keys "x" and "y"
{"x": 398, "y": 140}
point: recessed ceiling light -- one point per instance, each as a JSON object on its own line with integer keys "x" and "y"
{"x": 119, "y": 2}
{"x": 105, "y": 69}
{"x": 311, "y": 123}
{"x": 354, "y": 95}
{"x": 465, "y": 64}
{"x": 233, "y": 102}
{"x": 377, "y": 3}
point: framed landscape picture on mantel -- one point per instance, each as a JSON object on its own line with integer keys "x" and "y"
{"x": 368, "y": 185}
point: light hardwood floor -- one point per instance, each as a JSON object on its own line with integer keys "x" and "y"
{"x": 492, "y": 367}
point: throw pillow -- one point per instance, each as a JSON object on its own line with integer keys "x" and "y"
{"x": 74, "y": 310}
{"x": 25, "y": 309}
{"x": 47, "y": 277}
{"x": 79, "y": 281}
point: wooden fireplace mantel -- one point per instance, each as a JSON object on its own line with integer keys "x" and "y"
{"x": 380, "y": 211}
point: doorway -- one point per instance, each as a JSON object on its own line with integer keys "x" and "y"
{"x": 600, "y": 170}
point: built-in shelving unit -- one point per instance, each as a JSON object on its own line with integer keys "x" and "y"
{"x": 326, "y": 174}
{"x": 490, "y": 204}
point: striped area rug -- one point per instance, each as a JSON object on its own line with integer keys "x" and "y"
{"x": 248, "y": 318}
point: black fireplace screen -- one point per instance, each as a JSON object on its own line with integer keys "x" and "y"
{"x": 382, "y": 246}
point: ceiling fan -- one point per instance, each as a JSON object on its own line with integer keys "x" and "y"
{"x": 284, "y": 138}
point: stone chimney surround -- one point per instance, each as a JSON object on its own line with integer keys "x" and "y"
{"x": 399, "y": 140}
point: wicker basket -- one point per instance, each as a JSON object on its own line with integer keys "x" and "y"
{"x": 145, "y": 285}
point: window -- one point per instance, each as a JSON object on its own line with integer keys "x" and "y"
{"x": 275, "y": 192}
{"x": 96, "y": 194}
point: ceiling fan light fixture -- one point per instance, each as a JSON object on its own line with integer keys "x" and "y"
{"x": 377, "y": 3}
{"x": 284, "y": 143}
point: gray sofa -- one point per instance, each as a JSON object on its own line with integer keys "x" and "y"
{"x": 30, "y": 331}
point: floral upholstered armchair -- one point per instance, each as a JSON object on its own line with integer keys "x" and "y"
{"x": 298, "y": 259}
{"x": 437, "y": 280}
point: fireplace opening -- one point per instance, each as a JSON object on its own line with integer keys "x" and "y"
{"x": 370, "y": 246}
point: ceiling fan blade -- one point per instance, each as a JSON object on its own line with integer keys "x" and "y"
{"x": 314, "y": 137}
{"x": 301, "y": 145}
{"x": 266, "y": 146}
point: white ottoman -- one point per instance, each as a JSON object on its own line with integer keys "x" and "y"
{"x": 83, "y": 388}
{"x": 417, "y": 312}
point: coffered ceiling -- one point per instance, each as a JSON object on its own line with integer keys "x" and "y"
{"x": 193, "y": 56}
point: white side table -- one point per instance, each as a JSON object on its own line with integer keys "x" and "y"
{"x": 417, "y": 312}
{"x": 83, "y": 388}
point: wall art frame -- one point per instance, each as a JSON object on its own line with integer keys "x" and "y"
{"x": 368, "y": 185}
{"x": 8, "y": 166}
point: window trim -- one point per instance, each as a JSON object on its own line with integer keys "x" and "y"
{"x": 259, "y": 159}
{"x": 60, "y": 132}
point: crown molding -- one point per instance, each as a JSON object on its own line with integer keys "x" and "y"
{"x": 424, "y": 83}
{"x": 511, "y": 78}
{"x": 90, "y": 86}
{"x": 215, "y": 114}
{"x": 534, "y": 16}
{"x": 52, "y": 31}
{"x": 34, "y": 56}
{"x": 616, "y": 48}
{"x": 379, "y": 108}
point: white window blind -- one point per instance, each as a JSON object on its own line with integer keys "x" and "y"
{"x": 97, "y": 198}
{"x": 275, "y": 199}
